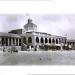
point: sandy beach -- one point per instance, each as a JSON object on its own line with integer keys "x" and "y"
{"x": 38, "y": 58}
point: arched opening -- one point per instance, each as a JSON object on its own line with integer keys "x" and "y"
{"x": 3, "y": 41}
{"x": 9, "y": 41}
{"x": 42, "y": 41}
{"x": 56, "y": 41}
{"x": 49, "y": 40}
{"x": 6, "y": 41}
{"x": 46, "y": 41}
{"x": 37, "y": 40}
{"x": 24, "y": 40}
{"x": 53, "y": 41}
{"x": 19, "y": 42}
{"x": 29, "y": 40}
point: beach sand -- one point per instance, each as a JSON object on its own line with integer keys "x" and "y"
{"x": 38, "y": 58}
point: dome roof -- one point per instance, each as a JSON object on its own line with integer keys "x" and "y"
{"x": 30, "y": 23}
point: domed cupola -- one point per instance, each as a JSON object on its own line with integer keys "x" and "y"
{"x": 29, "y": 21}
{"x": 30, "y": 26}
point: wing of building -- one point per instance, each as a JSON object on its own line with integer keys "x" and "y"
{"x": 30, "y": 39}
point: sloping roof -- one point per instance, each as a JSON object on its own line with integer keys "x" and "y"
{"x": 16, "y": 31}
{"x": 2, "y": 34}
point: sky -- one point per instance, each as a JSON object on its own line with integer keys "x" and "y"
{"x": 56, "y": 24}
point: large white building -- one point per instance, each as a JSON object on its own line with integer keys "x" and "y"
{"x": 30, "y": 38}
{"x": 34, "y": 39}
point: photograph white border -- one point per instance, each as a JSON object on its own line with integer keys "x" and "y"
{"x": 37, "y": 7}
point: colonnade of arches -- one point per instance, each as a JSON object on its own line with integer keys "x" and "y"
{"x": 47, "y": 40}
{"x": 43, "y": 40}
{"x": 8, "y": 41}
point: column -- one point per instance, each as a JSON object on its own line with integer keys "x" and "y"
{"x": 11, "y": 41}
{"x": 51, "y": 40}
{"x": 15, "y": 41}
{"x": 30, "y": 47}
{"x": 48, "y": 40}
{"x": 5, "y": 42}
{"x": 55, "y": 40}
{"x": 58, "y": 40}
{"x": 43, "y": 40}
{"x": 18, "y": 41}
{"x": 0, "y": 41}
{"x": 8, "y": 41}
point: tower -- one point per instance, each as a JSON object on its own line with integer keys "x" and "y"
{"x": 30, "y": 26}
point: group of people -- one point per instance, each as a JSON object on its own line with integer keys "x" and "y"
{"x": 11, "y": 50}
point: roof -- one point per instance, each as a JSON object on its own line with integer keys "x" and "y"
{"x": 29, "y": 23}
{"x": 2, "y": 34}
{"x": 43, "y": 33}
{"x": 16, "y": 31}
